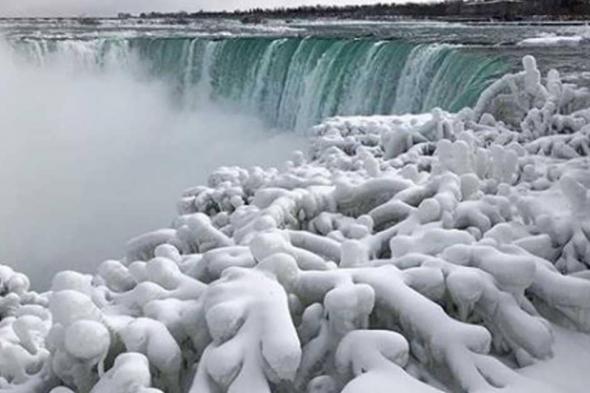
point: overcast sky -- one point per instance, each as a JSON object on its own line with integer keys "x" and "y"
{"x": 111, "y": 7}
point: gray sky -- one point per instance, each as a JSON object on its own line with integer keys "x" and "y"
{"x": 111, "y": 7}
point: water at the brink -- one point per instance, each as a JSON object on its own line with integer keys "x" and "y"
{"x": 291, "y": 82}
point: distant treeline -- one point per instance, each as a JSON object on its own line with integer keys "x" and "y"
{"x": 451, "y": 9}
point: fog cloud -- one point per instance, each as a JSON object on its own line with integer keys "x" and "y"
{"x": 90, "y": 159}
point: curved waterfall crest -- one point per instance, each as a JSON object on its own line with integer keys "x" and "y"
{"x": 292, "y": 83}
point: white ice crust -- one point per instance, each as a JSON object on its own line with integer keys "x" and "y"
{"x": 554, "y": 40}
{"x": 417, "y": 253}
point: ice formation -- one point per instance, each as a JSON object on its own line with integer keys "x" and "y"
{"x": 417, "y": 253}
{"x": 553, "y": 39}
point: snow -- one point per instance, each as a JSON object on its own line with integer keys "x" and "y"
{"x": 421, "y": 253}
{"x": 553, "y": 40}
{"x": 567, "y": 367}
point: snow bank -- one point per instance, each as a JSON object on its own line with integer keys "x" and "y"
{"x": 415, "y": 253}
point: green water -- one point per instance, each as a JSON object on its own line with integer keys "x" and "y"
{"x": 292, "y": 82}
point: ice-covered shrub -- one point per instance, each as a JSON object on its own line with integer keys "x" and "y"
{"x": 418, "y": 253}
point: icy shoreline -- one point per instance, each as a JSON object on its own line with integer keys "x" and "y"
{"x": 425, "y": 253}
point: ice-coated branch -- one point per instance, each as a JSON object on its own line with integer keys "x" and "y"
{"x": 254, "y": 340}
{"x": 374, "y": 359}
{"x": 419, "y": 253}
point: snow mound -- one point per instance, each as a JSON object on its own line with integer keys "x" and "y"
{"x": 426, "y": 253}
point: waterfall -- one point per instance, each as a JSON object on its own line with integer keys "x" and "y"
{"x": 292, "y": 83}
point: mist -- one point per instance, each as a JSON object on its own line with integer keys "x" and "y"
{"x": 90, "y": 158}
